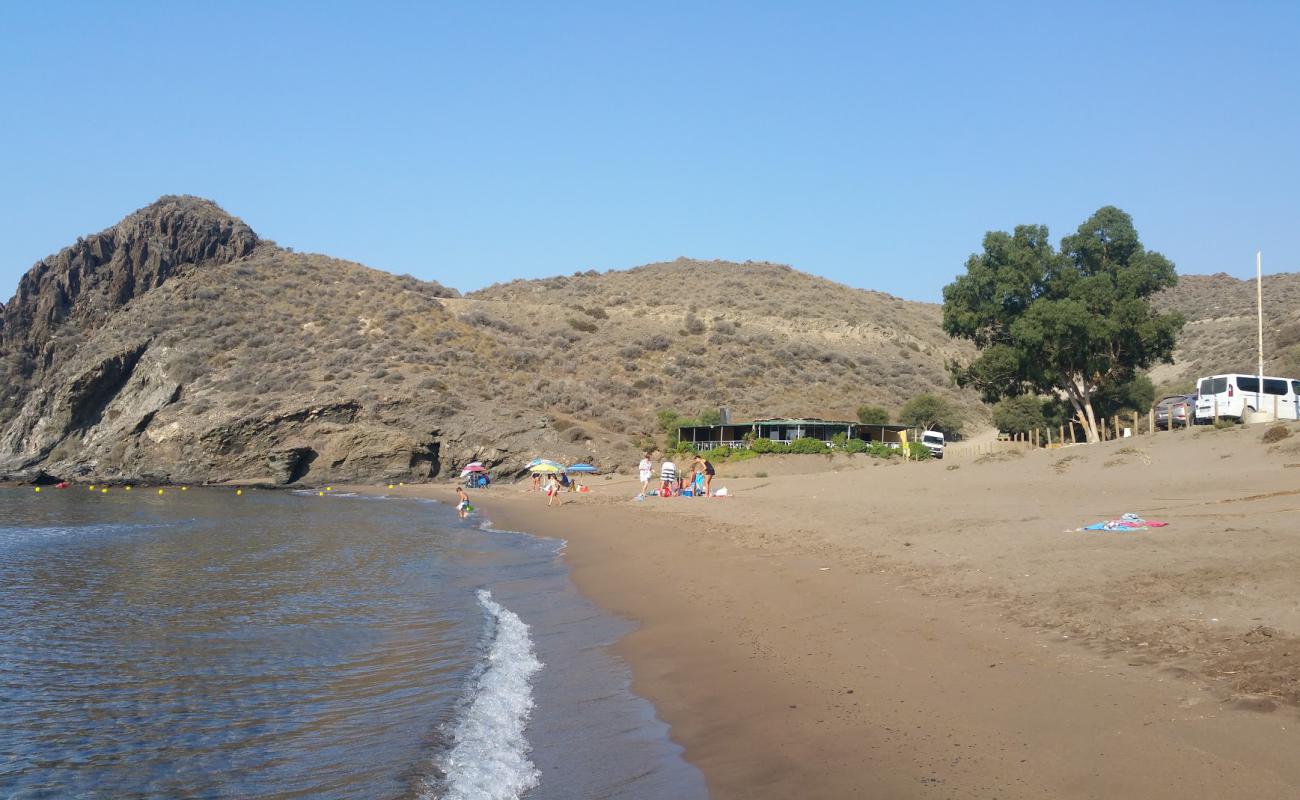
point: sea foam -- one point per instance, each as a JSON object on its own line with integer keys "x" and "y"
{"x": 488, "y": 759}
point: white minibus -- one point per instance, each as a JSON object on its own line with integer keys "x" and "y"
{"x": 1232, "y": 395}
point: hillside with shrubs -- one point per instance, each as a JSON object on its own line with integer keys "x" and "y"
{"x": 1222, "y": 331}
{"x": 179, "y": 346}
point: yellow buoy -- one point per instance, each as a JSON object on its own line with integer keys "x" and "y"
{"x": 160, "y": 491}
{"x": 128, "y": 488}
{"x": 320, "y": 494}
{"x": 92, "y": 487}
{"x": 105, "y": 491}
{"x": 329, "y": 488}
{"x": 401, "y": 484}
{"x": 239, "y": 491}
{"x": 38, "y": 488}
{"x": 185, "y": 488}
{"x": 390, "y": 486}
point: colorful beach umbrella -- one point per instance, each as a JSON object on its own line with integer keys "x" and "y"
{"x": 581, "y": 468}
{"x": 546, "y": 468}
{"x": 472, "y": 468}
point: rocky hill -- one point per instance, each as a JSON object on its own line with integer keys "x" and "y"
{"x": 1221, "y": 330}
{"x": 178, "y": 346}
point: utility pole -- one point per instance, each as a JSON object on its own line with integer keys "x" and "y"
{"x": 1259, "y": 306}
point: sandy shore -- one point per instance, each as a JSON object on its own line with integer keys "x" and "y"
{"x": 849, "y": 628}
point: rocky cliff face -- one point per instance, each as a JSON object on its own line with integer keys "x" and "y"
{"x": 176, "y": 346}
{"x": 65, "y": 297}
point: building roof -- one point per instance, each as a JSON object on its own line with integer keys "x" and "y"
{"x": 805, "y": 421}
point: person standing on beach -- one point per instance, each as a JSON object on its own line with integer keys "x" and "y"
{"x": 697, "y": 476}
{"x": 709, "y": 472}
{"x": 463, "y": 507}
{"x": 668, "y": 475}
{"x": 537, "y": 482}
{"x": 645, "y": 471}
{"x": 553, "y": 490}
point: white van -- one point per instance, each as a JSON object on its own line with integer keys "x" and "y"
{"x": 933, "y": 441}
{"x": 1232, "y": 395}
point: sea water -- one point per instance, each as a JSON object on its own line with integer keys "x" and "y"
{"x": 275, "y": 645}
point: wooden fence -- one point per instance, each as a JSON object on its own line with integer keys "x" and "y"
{"x": 1109, "y": 428}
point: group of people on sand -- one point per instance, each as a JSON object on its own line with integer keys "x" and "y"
{"x": 674, "y": 482}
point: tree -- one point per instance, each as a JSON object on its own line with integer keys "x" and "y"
{"x": 1019, "y": 414}
{"x": 932, "y": 413}
{"x": 1078, "y": 322}
{"x": 873, "y": 415}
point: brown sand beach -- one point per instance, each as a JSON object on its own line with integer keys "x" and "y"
{"x": 854, "y": 628}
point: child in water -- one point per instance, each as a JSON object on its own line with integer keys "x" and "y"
{"x": 463, "y": 507}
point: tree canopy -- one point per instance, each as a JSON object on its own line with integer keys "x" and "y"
{"x": 1020, "y": 414}
{"x": 1077, "y": 321}
{"x": 931, "y": 412}
{"x": 873, "y": 415}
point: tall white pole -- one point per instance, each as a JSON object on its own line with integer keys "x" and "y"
{"x": 1259, "y": 305}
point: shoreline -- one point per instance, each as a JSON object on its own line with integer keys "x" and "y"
{"x": 789, "y": 663}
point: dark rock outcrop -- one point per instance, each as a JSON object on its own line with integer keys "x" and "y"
{"x": 65, "y": 297}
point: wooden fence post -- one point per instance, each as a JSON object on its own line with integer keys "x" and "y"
{"x": 1151, "y": 421}
{"x": 1135, "y": 423}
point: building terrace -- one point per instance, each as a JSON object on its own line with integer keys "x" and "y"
{"x": 739, "y": 434}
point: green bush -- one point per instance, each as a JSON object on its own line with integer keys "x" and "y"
{"x": 742, "y": 455}
{"x": 808, "y": 446}
{"x": 880, "y": 450}
{"x": 918, "y": 451}
{"x": 762, "y": 445}
{"x": 721, "y": 453}
{"x": 856, "y": 446}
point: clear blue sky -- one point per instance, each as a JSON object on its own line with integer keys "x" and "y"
{"x": 479, "y": 142}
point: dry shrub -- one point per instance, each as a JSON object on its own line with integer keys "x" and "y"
{"x": 1275, "y": 434}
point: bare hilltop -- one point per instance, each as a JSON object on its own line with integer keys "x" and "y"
{"x": 178, "y": 346}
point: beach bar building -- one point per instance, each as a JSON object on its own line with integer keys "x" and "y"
{"x": 733, "y": 434}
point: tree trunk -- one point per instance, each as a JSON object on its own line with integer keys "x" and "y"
{"x": 1081, "y": 399}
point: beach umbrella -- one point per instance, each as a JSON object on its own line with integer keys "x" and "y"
{"x": 581, "y": 468}
{"x": 472, "y": 468}
{"x": 546, "y": 467}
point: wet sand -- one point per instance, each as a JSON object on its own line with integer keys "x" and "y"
{"x": 850, "y": 628}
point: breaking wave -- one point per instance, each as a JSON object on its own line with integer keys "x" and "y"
{"x": 488, "y": 759}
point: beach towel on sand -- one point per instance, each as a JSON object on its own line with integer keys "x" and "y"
{"x": 1128, "y": 522}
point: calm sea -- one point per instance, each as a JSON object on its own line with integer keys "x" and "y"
{"x": 203, "y": 645}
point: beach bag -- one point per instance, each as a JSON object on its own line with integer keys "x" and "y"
{"x": 665, "y": 493}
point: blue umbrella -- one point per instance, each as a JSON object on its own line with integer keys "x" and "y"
{"x": 581, "y": 468}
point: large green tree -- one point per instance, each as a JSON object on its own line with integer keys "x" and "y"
{"x": 932, "y": 413}
{"x": 1077, "y": 321}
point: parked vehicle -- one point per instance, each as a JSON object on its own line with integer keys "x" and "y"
{"x": 1175, "y": 408}
{"x": 1234, "y": 394}
{"x": 933, "y": 441}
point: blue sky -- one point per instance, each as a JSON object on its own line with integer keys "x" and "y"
{"x": 481, "y": 142}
